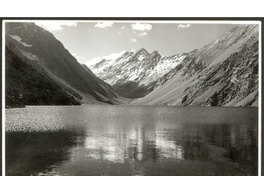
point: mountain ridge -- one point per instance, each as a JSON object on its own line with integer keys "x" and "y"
{"x": 207, "y": 77}
{"x": 138, "y": 70}
{"x": 48, "y": 56}
{"x": 143, "y": 76}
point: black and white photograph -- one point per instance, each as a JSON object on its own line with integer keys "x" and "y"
{"x": 131, "y": 97}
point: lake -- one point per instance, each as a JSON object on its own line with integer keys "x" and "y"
{"x": 98, "y": 140}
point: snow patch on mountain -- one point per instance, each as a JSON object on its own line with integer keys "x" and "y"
{"x": 30, "y": 56}
{"x": 18, "y": 39}
{"x": 140, "y": 67}
{"x": 222, "y": 73}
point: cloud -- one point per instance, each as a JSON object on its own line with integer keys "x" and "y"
{"x": 111, "y": 57}
{"x": 142, "y": 34}
{"x": 134, "y": 40}
{"x": 141, "y": 27}
{"x": 105, "y": 24}
{"x": 93, "y": 61}
{"x": 76, "y": 55}
{"x": 183, "y": 26}
{"x": 79, "y": 58}
{"x": 54, "y": 25}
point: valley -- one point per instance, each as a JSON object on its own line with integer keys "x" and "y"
{"x": 222, "y": 73}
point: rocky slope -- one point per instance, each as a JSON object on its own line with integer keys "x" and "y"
{"x": 134, "y": 74}
{"x": 40, "y": 50}
{"x": 222, "y": 73}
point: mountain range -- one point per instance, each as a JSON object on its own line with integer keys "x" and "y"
{"x": 222, "y": 73}
{"x": 41, "y": 71}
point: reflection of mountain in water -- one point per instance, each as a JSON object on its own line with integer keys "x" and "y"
{"x": 219, "y": 142}
{"x": 29, "y": 153}
{"x": 137, "y": 144}
{"x": 131, "y": 141}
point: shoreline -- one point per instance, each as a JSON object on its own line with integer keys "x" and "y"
{"x": 128, "y": 105}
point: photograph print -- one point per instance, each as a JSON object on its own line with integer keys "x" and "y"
{"x": 131, "y": 97}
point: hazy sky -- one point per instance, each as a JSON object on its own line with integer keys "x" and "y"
{"x": 90, "y": 40}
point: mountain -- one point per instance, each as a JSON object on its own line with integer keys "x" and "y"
{"x": 26, "y": 86}
{"x": 37, "y": 49}
{"x": 222, "y": 73}
{"x": 135, "y": 73}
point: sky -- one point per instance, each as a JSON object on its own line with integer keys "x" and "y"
{"x": 90, "y": 40}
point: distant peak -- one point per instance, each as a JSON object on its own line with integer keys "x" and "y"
{"x": 155, "y": 53}
{"x": 142, "y": 50}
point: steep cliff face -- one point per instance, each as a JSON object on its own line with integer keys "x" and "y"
{"x": 223, "y": 73}
{"x": 40, "y": 49}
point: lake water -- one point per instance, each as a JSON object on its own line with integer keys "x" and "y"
{"x": 91, "y": 140}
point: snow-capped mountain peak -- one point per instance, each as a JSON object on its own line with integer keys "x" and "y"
{"x": 141, "y": 68}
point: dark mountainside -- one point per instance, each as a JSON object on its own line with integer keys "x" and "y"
{"x": 48, "y": 57}
{"x": 222, "y": 73}
{"x": 26, "y": 86}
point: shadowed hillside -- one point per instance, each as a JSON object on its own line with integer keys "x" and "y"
{"x": 40, "y": 49}
{"x": 26, "y": 86}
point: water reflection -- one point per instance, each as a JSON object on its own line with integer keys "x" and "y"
{"x": 145, "y": 144}
{"x": 31, "y": 153}
{"x": 188, "y": 142}
{"x": 134, "y": 144}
